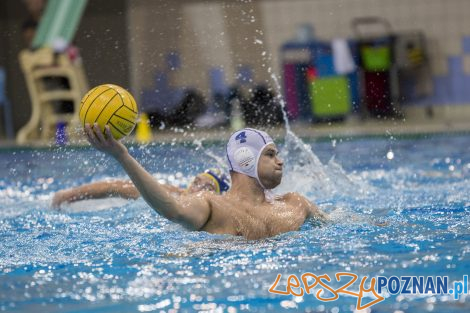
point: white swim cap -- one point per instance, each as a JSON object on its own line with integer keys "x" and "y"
{"x": 244, "y": 149}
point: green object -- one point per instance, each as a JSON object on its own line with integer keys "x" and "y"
{"x": 376, "y": 58}
{"x": 330, "y": 97}
{"x": 59, "y": 22}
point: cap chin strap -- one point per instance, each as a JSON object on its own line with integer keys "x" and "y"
{"x": 256, "y": 164}
{"x": 259, "y": 182}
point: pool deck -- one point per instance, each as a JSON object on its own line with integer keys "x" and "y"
{"x": 353, "y": 127}
{"x": 417, "y": 121}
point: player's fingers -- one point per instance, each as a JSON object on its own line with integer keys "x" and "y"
{"x": 109, "y": 135}
{"x": 98, "y": 133}
{"x": 89, "y": 134}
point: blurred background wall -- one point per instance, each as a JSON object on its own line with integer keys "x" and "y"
{"x": 444, "y": 24}
{"x": 128, "y": 42}
{"x": 205, "y": 35}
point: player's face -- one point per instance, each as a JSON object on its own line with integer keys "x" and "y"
{"x": 202, "y": 182}
{"x": 270, "y": 167}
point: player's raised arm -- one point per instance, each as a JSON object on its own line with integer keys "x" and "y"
{"x": 192, "y": 212}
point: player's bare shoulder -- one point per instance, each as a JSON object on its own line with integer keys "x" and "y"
{"x": 220, "y": 220}
{"x": 208, "y": 197}
{"x": 295, "y": 200}
{"x": 219, "y": 204}
{"x": 310, "y": 209}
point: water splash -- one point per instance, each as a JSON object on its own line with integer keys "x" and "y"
{"x": 303, "y": 170}
{"x": 220, "y": 161}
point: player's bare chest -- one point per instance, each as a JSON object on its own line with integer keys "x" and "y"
{"x": 267, "y": 220}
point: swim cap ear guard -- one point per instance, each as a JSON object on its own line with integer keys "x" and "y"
{"x": 244, "y": 150}
{"x": 221, "y": 181}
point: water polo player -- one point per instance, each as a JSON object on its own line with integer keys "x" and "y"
{"x": 244, "y": 210}
{"x": 213, "y": 180}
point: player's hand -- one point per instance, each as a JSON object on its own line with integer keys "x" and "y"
{"x": 59, "y": 198}
{"x": 104, "y": 142}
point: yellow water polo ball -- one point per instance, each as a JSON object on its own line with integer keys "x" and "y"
{"x": 111, "y": 105}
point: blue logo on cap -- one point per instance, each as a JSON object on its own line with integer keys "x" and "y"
{"x": 241, "y": 137}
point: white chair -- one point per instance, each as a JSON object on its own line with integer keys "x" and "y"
{"x": 57, "y": 27}
{"x": 44, "y": 64}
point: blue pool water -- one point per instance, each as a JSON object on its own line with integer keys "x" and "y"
{"x": 119, "y": 256}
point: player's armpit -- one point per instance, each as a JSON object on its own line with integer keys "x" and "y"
{"x": 194, "y": 210}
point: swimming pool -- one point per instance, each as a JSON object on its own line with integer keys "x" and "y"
{"x": 119, "y": 256}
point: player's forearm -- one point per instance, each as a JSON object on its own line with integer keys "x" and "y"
{"x": 322, "y": 216}
{"x": 90, "y": 191}
{"x": 316, "y": 213}
{"x": 154, "y": 193}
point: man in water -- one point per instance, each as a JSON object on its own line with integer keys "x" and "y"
{"x": 212, "y": 180}
{"x": 244, "y": 210}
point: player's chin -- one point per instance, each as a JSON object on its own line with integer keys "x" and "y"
{"x": 274, "y": 181}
